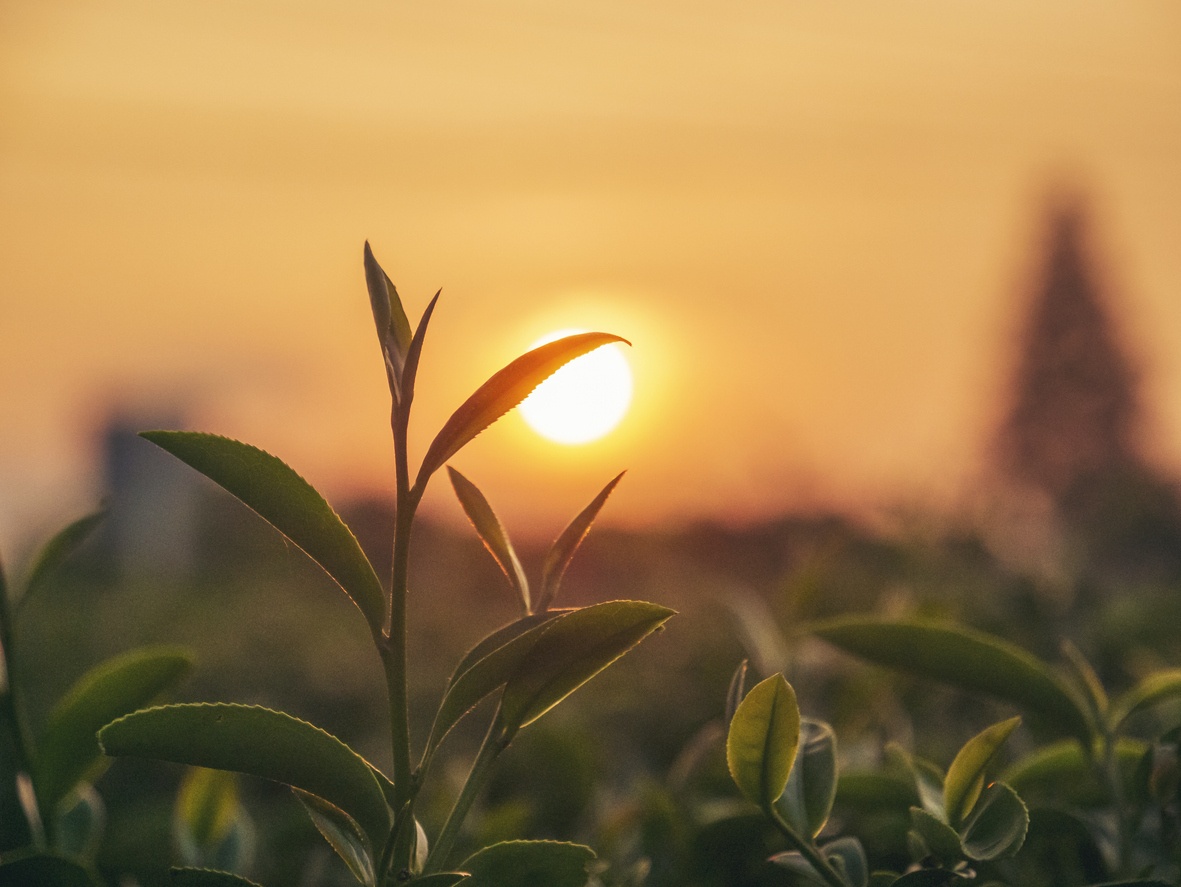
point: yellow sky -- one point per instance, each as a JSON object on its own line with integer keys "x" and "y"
{"x": 813, "y": 219}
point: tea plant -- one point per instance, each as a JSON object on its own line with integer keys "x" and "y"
{"x": 1102, "y": 794}
{"x": 51, "y": 817}
{"x": 532, "y": 664}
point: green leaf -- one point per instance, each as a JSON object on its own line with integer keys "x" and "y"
{"x": 1157, "y": 687}
{"x": 1064, "y": 772}
{"x": 847, "y": 856}
{"x": 491, "y": 533}
{"x": 486, "y": 668}
{"x": 940, "y": 839}
{"x": 260, "y": 742}
{"x": 997, "y": 826}
{"x": 44, "y": 871}
{"x": 762, "y": 742}
{"x": 558, "y": 558}
{"x": 393, "y": 328}
{"x": 968, "y": 659}
{"x": 928, "y": 780}
{"x": 190, "y": 877}
{"x": 1087, "y": 680}
{"x": 529, "y": 864}
{"x": 288, "y": 503}
{"x": 413, "y": 355}
{"x": 57, "y": 549}
{"x": 965, "y": 777}
{"x": 80, "y": 824}
{"x": 210, "y": 827}
{"x": 344, "y": 835}
{"x": 67, "y": 751}
{"x": 441, "y": 879}
{"x": 570, "y": 652}
{"x": 736, "y": 691}
{"x": 807, "y": 800}
{"x": 503, "y": 391}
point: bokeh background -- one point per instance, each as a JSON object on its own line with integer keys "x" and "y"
{"x": 818, "y": 223}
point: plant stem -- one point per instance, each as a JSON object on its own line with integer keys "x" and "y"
{"x": 806, "y": 849}
{"x": 495, "y": 742}
{"x": 393, "y": 650}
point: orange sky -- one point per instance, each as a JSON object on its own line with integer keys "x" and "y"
{"x": 813, "y": 219}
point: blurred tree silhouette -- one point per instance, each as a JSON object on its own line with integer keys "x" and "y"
{"x": 1073, "y": 434}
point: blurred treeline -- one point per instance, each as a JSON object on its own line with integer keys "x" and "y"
{"x": 1072, "y": 535}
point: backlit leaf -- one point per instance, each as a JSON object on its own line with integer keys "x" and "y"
{"x": 968, "y": 659}
{"x": 570, "y": 652}
{"x": 812, "y": 785}
{"x": 67, "y": 751}
{"x": 558, "y": 558}
{"x": 288, "y": 503}
{"x": 393, "y": 328}
{"x": 762, "y": 742}
{"x": 965, "y": 776}
{"x": 491, "y": 533}
{"x": 996, "y": 827}
{"x": 485, "y": 669}
{"x": 260, "y": 742}
{"x": 529, "y": 864}
{"x": 343, "y": 834}
{"x": 1157, "y": 687}
{"x": 503, "y": 391}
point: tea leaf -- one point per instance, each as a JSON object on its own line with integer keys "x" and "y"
{"x": 736, "y": 691}
{"x": 393, "y": 328}
{"x": 260, "y": 742}
{"x": 941, "y": 840}
{"x": 847, "y": 856}
{"x": 57, "y": 549}
{"x": 570, "y": 652}
{"x": 288, "y": 503}
{"x": 997, "y": 826}
{"x": 968, "y": 659}
{"x": 496, "y": 659}
{"x": 529, "y": 864}
{"x": 206, "y": 807}
{"x": 503, "y": 391}
{"x": 44, "y": 871}
{"x": 344, "y": 835}
{"x": 68, "y": 751}
{"x": 763, "y": 739}
{"x": 188, "y": 877}
{"x": 965, "y": 777}
{"x": 812, "y": 784}
{"x": 1064, "y": 771}
{"x": 558, "y": 558}
{"x": 1157, "y": 687}
{"x": 413, "y": 354}
{"x": 491, "y": 533}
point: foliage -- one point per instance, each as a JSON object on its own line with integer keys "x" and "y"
{"x": 531, "y": 665}
{"x": 51, "y": 818}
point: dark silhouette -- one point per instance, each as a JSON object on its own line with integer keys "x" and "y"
{"x": 1073, "y": 434}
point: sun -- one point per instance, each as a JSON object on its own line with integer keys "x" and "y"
{"x": 583, "y": 400}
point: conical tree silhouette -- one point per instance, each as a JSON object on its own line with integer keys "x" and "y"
{"x": 1073, "y": 432}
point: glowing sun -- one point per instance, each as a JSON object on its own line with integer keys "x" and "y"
{"x": 583, "y": 400}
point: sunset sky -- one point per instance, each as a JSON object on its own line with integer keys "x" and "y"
{"x": 815, "y": 220}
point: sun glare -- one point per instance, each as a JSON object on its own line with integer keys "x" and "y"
{"x": 583, "y": 400}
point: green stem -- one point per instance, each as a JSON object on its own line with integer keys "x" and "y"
{"x": 393, "y": 648}
{"x": 495, "y": 742}
{"x": 806, "y": 849}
